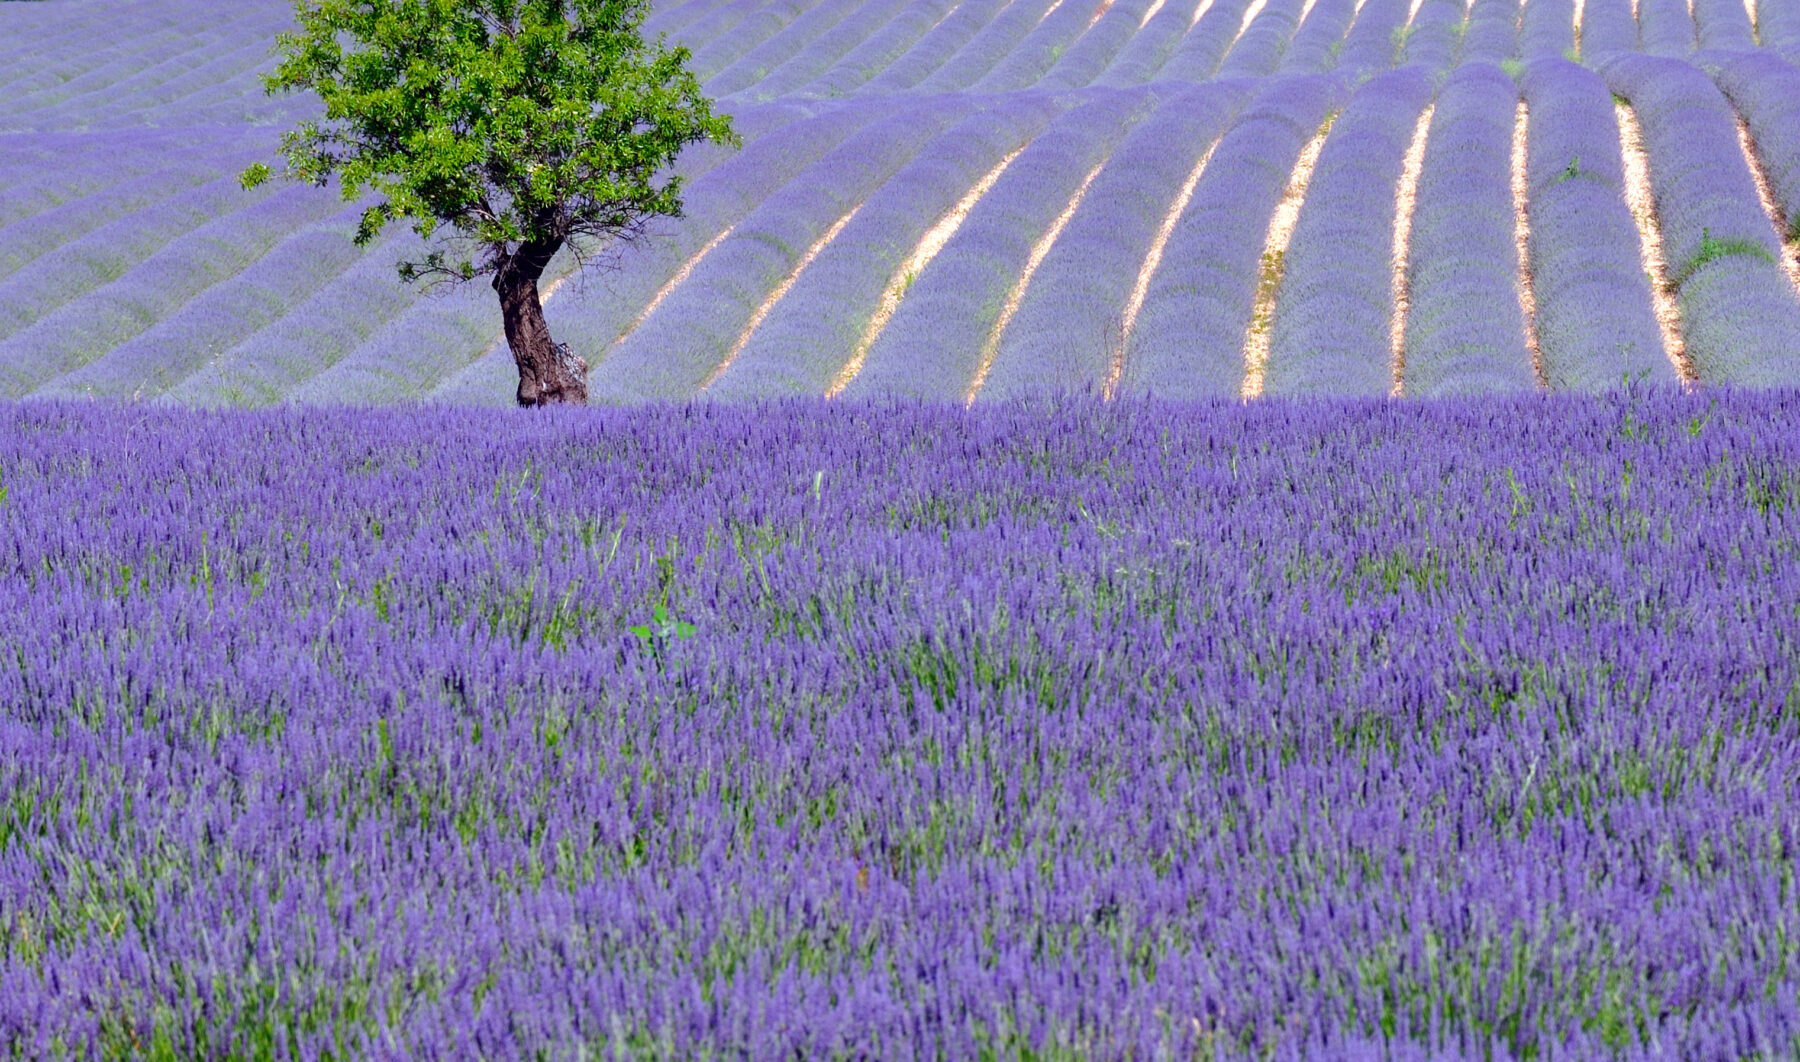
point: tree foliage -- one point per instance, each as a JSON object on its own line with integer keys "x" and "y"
{"x": 524, "y": 125}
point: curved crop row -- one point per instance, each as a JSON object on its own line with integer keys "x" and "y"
{"x": 1000, "y": 41}
{"x": 1547, "y": 28}
{"x": 1465, "y": 330}
{"x": 1665, "y": 27}
{"x": 1595, "y": 322}
{"x": 102, "y": 254}
{"x": 1724, "y": 25}
{"x": 752, "y": 66}
{"x": 1766, "y": 91}
{"x": 219, "y": 317}
{"x": 1740, "y": 315}
{"x": 1608, "y": 26}
{"x": 679, "y": 346}
{"x": 1093, "y": 53}
{"x": 1151, "y": 46}
{"x": 86, "y": 327}
{"x": 1320, "y": 36}
{"x": 1429, "y": 41}
{"x": 1031, "y": 59}
{"x": 1369, "y": 46}
{"x": 876, "y": 30}
{"x": 824, "y": 322}
{"x": 945, "y": 39}
{"x": 1203, "y": 48}
{"x": 1189, "y": 336}
{"x": 933, "y": 346}
{"x": 1332, "y": 323}
{"x": 1261, "y": 44}
{"x": 1068, "y": 322}
{"x": 720, "y": 39}
{"x": 1492, "y": 34}
{"x": 882, "y": 49}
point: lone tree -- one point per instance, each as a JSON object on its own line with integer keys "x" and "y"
{"x": 523, "y": 125}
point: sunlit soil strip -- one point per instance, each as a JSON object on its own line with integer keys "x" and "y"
{"x": 991, "y": 348}
{"x": 1306, "y": 9}
{"x": 1150, "y": 14}
{"x": 1406, "y": 199}
{"x": 1105, "y": 6}
{"x": 929, "y": 245}
{"x": 781, "y": 289}
{"x": 1059, "y": 3}
{"x": 1413, "y": 12}
{"x": 1116, "y": 370}
{"x": 1790, "y": 250}
{"x": 1643, "y": 209}
{"x": 1522, "y": 237}
{"x": 672, "y": 283}
{"x": 1580, "y": 10}
{"x": 1205, "y": 6}
{"x": 1281, "y": 230}
{"x": 1755, "y": 27}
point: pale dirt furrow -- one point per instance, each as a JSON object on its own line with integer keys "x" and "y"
{"x": 1790, "y": 249}
{"x": 1522, "y": 237}
{"x": 1642, "y": 202}
{"x": 1406, "y": 199}
{"x": 1281, "y": 230}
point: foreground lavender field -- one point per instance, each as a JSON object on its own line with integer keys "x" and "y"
{"x": 971, "y": 199}
{"x": 880, "y": 730}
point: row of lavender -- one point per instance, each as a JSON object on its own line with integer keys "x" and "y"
{"x": 889, "y": 730}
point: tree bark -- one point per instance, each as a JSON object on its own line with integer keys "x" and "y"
{"x": 549, "y": 373}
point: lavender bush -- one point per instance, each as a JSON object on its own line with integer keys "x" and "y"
{"x": 933, "y": 345}
{"x": 1607, "y": 26}
{"x": 1332, "y": 328}
{"x": 677, "y": 347}
{"x": 1766, "y": 92}
{"x": 1189, "y": 339}
{"x": 1369, "y": 46}
{"x": 1351, "y": 730}
{"x": 1723, "y": 24}
{"x": 1665, "y": 27}
{"x": 1595, "y": 322}
{"x": 1465, "y": 330}
{"x": 881, "y": 49}
{"x": 1093, "y": 52}
{"x": 1069, "y": 318}
{"x": 1318, "y": 39}
{"x": 1492, "y": 33}
{"x": 1151, "y": 46}
{"x": 1032, "y": 57}
{"x": 810, "y": 335}
{"x": 1739, "y": 311}
{"x": 988, "y": 47}
{"x": 1200, "y": 52}
{"x": 1257, "y": 52}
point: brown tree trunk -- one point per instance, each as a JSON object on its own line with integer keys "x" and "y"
{"x": 549, "y": 373}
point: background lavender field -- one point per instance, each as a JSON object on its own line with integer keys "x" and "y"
{"x": 1353, "y": 730}
{"x": 969, "y": 199}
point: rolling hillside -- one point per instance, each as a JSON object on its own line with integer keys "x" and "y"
{"x": 970, "y": 200}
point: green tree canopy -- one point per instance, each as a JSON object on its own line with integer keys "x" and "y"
{"x": 522, "y": 125}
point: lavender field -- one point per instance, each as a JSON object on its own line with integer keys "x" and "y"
{"x": 1059, "y": 729}
{"x": 970, "y": 199}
